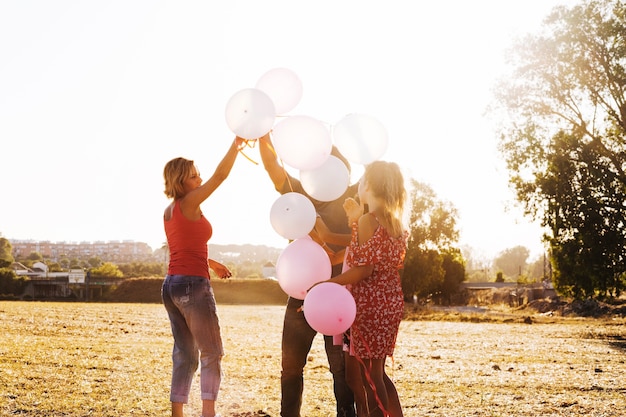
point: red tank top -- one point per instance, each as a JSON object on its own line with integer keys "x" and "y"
{"x": 188, "y": 244}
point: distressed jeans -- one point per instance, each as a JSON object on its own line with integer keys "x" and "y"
{"x": 190, "y": 305}
{"x": 296, "y": 343}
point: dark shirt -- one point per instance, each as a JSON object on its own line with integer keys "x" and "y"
{"x": 331, "y": 212}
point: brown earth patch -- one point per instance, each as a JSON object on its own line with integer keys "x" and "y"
{"x": 227, "y": 291}
{"x": 114, "y": 360}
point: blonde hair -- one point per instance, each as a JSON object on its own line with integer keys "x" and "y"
{"x": 386, "y": 182}
{"x": 175, "y": 173}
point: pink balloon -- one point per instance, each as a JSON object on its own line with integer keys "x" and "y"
{"x": 302, "y": 264}
{"x": 329, "y": 308}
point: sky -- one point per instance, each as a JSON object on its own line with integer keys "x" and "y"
{"x": 96, "y": 96}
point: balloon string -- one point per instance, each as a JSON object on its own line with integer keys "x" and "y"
{"x": 247, "y": 143}
{"x": 368, "y": 371}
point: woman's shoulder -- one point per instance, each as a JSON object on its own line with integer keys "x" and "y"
{"x": 169, "y": 211}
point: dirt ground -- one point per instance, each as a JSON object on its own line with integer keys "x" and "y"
{"x": 491, "y": 363}
{"x": 114, "y": 360}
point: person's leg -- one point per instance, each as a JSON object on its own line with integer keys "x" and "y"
{"x": 204, "y": 324}
{"x": 177, "y": 409}
{"x": 337, "y": 364}
{"x": 297, "y": 338}
{"x": 184, "y": 352}
{"x": 394, "y": 407}
{"x": 356, "y": 384}
{"x": 373, "y": 373}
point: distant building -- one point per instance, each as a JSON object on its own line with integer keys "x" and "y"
{"x": 21, "y": 270}
{"x": 112, "y": 251}
{"x": 269, "y": 270}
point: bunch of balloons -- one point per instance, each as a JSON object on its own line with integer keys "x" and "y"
{"x": 305, "y": 144}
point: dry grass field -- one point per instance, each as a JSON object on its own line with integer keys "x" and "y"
{"x": 113, "y": 359}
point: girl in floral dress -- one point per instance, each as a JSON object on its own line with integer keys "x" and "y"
{"x": 375, "y": 256}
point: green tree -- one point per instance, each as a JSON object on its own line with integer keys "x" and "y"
{"x": 538, "y": 270}
{"x": 512, "y": 261}
{"x": 94, "y": 262}
{"x": 35, "y": 256}
{"x": 432, "y": 263}
{"x": 107, "y": 270}
{"x": 10, "y": 283}
{"x": 6, "y": 253}
{"x": 53, "y": 266}
{"x": 75, "y": 263}
{"x": 64, "y": 262}
{"x": 142, "y": 269}
{"x": 564, "y": 141}
{"x": 454, "y": 266}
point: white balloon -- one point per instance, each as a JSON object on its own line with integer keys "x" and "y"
{"x": 283, "y": 86}
{"x": 292, "y": 216}
{"x": 250, "y": 113}
{"x": 302, "y": 142}
{"x": 360, "y": 138}
{"x": 328, "y": 181}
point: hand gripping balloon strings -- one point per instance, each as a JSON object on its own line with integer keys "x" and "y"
{"x": 246, "y": 143}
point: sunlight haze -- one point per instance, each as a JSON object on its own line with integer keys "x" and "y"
{"x": 95, "y": 98}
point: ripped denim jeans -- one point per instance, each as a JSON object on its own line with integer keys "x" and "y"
{"x": 190, "y": 305}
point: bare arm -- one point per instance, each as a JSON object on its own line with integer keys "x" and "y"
{"x": 190, "y": 203}
{"x": 353, "y": 275}
{"x": 327, "y": 236}
{"x": 270, "y": 162}
{"x": 220, "y": 269}
{"x": 367, "y": 227}
{"x": 353, "y": 211}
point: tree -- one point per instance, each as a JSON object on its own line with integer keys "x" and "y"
{"x": 6, "y": 253}
{"x": 10, "y": 283}
{"x": 432, "y": 264}
{"x": 454, "y": 267}
{"x": 564, "y": 142}
{"x": 142, "y": 269}
{"x": 538, "y": 270}
{"x": 35, "y": 257}
{"x": 512, "y": 261}
{"x": 94, "y": 261}
{"x": 107, "y": 270}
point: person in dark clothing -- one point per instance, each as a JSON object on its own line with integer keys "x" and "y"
{"x": 297, "y": 336}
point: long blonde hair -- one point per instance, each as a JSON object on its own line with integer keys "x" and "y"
{"x": 175, "y": 173}
{"x": 386, "y": 182}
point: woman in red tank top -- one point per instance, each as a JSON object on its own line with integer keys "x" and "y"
{"x": 186, "y": 292}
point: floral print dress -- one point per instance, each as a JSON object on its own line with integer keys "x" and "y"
{"x": 379, "y": 299}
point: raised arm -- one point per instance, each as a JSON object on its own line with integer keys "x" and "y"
{"x": 270, "y": 162}
{"x": 190, "y": 203}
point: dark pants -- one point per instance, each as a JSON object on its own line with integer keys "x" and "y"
{"x": 296, "y": 344}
